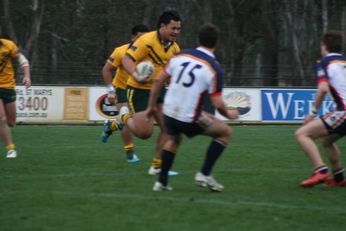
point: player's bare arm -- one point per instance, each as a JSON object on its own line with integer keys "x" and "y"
{"x": 219, "y": 104}
{"x": 25, "y": 67}
{"x": 108, "y": 78}
{"x": 129, "y": 65}
{"x": 322, "y": 90}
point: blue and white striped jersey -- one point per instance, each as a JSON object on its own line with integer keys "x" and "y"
{"x": 332, "y": 69}
{"x": 192, "y": 73}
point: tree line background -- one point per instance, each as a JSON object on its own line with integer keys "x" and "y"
{"x": 263, "y": 42}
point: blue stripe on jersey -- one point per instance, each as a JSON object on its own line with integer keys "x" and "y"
{"x": 319, "y": 71}
{"x": 212, "y": 62}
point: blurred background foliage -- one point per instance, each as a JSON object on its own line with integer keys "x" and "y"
{"x": 263, "y": 42}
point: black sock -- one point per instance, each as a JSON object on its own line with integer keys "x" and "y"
{"x": 338, "y": 175}
{"x": 213, "y": 153}
{"x": 166, "y": 164}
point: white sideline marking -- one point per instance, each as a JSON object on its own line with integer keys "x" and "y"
{"x": 136, "y": 172}
{"x": 159, "y": 196}
{"x": 78, "y": 174}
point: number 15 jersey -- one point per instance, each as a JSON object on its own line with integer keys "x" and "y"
{"x": 193, "y": 73}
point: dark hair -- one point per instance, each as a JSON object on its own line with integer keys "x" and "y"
{"x": 333, "y": 41}
{"x": 208, "y": 35}
{"x": 167, "y": 16}
{"x": 138, "y": 29}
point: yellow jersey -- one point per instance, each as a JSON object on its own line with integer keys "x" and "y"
{"x": 121, "y": 75}
{"x": 149, "y": 47}
{"x": 8, "y": 51}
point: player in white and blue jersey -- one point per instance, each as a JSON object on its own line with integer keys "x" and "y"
{"x": 331, "y": 78}
{"x": 191, "y": 74}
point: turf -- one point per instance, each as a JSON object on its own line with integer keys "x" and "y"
{"x": 66, "y": 179}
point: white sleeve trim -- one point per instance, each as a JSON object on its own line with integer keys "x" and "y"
{"x": 23, "y": 62}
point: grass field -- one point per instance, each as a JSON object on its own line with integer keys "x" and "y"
{"x": 66, "y": 179}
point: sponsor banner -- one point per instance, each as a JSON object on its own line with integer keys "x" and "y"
{"x": 39, "y": 104}
{"x": 76, "y": 104}
{"x": 100, "y": 108}
{"x": 43, "y": 104}
{"x": 290, "y": 105}
{"x": 247, "y": 101}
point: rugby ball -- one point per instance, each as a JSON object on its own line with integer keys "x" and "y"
{"x": 145, "y": 71}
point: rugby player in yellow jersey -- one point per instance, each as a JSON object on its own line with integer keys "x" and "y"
{"x": 8, "y": 53}
{"x": 117, "y": 89}
{"x": 157, "y": 47}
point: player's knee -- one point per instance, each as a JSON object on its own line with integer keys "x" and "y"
{"x": 142, "y": 126}
{"x": 298, "y": 134}
{"x": 172, "y": 145}
{"x": 3, "y": 121}
{"x": 176, "y": 141}
{"x": 326, "y": 143}
{"x": 11, "y": 122}
{"x": 228, "y": 131}
{"x": 144, "y": 134}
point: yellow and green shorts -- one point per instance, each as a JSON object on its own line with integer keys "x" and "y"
{"x": 7, "y": 95}
{"x": 121, "y": 95}
{"x": 138, "y": 98}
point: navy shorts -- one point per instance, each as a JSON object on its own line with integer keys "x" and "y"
{"x": 335, "y": 122}
{"x": 175, "y": 127}
{"x": 207, "y": 105}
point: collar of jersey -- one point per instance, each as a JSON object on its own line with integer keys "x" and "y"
{"x": 332, "y": 54}
{"x": 165, "y": 44}
{"x": 206, "y": 51}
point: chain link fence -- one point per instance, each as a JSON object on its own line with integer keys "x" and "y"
{"x": 248, "y": 76}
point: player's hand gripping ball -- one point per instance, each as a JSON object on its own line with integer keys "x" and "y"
{"x": 144, "y": 71}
